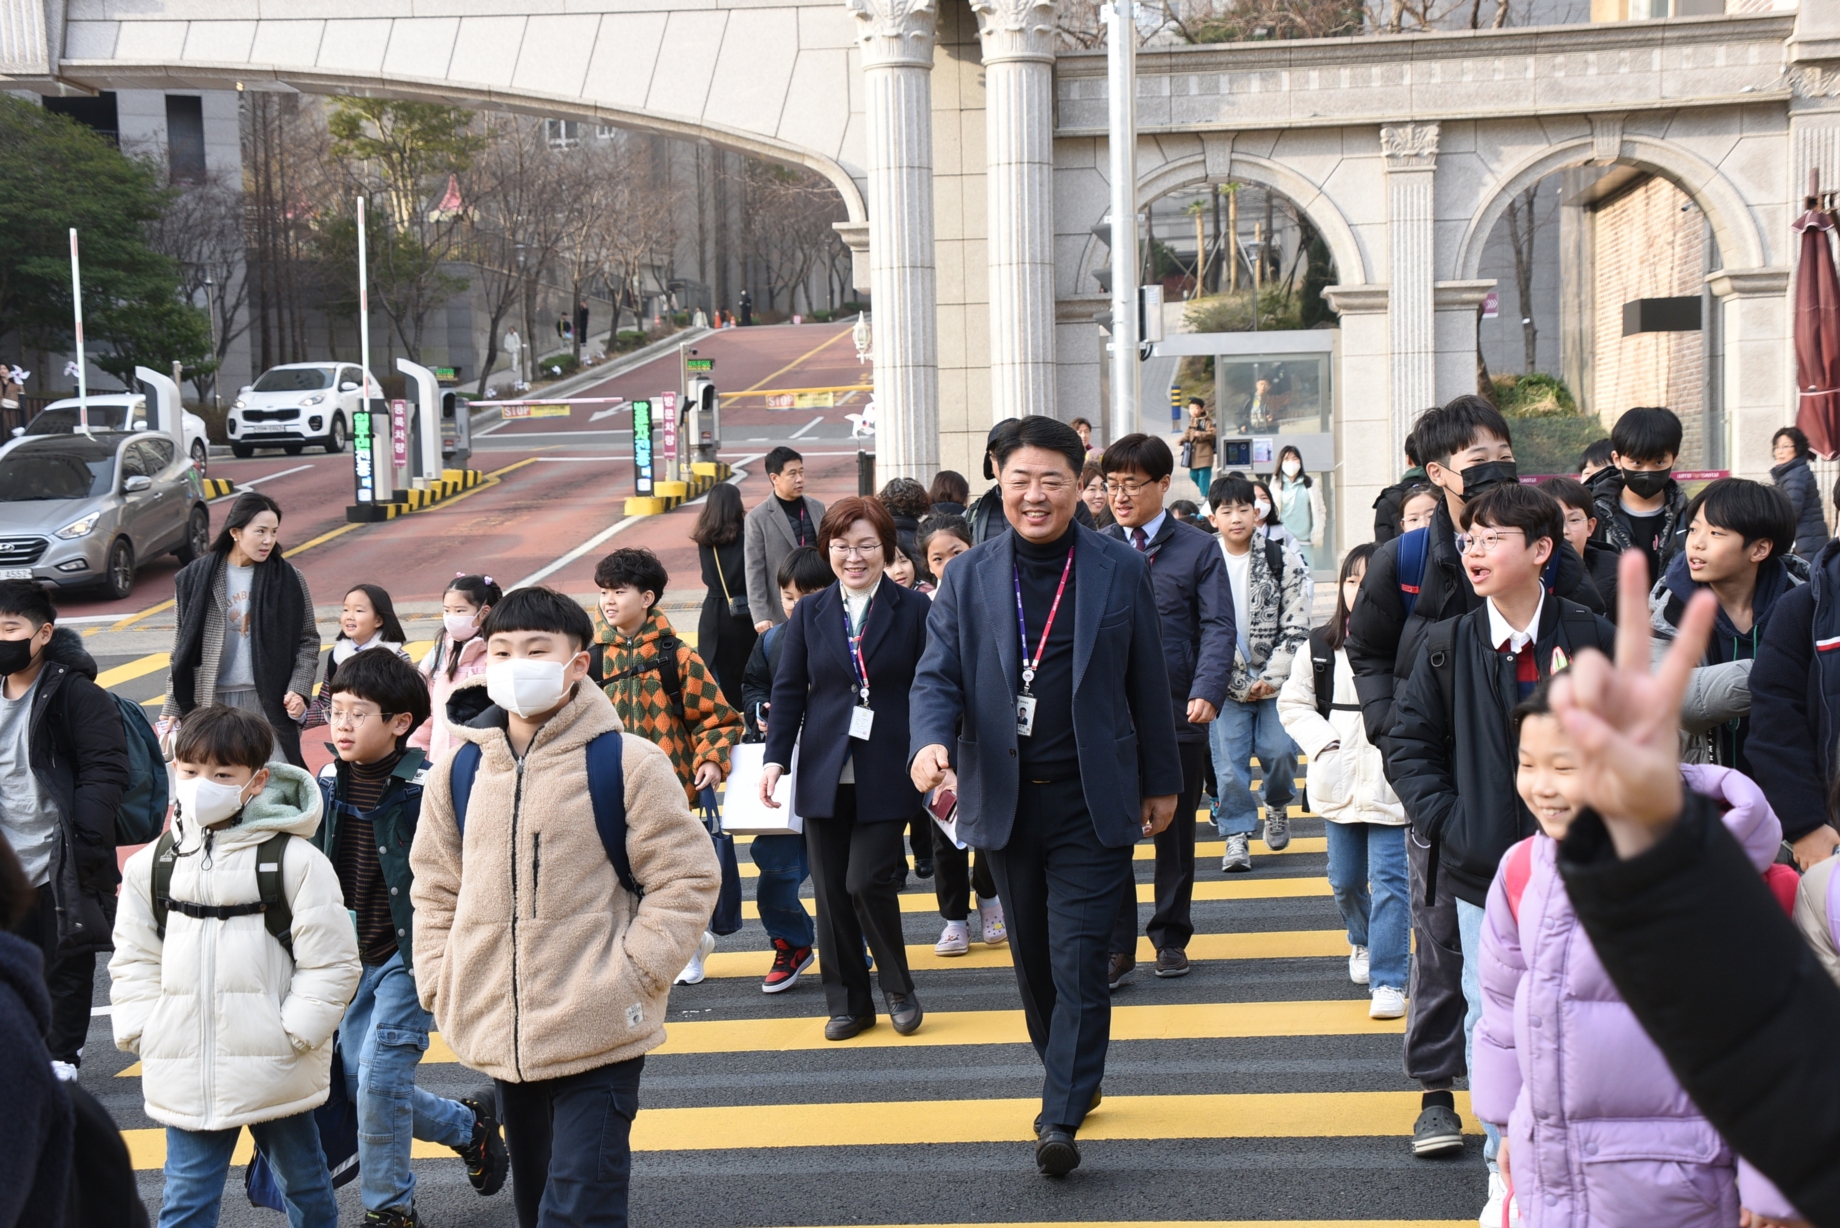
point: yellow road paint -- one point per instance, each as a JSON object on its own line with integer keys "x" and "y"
{"x": 1204, "y": 849}
{"x": 900, "y": 1123}
{"x": 139, "y": 668}
{"x": 149, "y": 612}
{"x": 1232, "y": 889}
{"x": 822, "y": 345}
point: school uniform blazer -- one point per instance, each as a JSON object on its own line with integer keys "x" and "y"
{"x": 814, "y": 688}
{"x": 1123, "y": 725}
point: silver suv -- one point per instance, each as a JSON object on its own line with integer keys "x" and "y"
{"x": 87, "y": 509}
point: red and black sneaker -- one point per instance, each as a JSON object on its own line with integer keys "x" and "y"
{"x": 486, "y": 1159}
{"x": 788, "y": 962}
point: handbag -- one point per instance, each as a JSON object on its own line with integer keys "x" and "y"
{"x": 742, "y": 813}
{"x": 727, "y": 917}
{"x": 1188, "y": 454}
{"x": 737, "y": 606}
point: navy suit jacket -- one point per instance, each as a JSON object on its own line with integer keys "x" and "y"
{"x": 964, "y": 695}
{"x": 1189, "y": 577}
{"x": 814, "y": 687}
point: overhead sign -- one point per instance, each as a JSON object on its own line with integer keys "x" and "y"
{"x": 361, "y": 457}
{"x": 512, "y": 412}
{"x": 699, "y": 364}
{"x": 642, "y": 447}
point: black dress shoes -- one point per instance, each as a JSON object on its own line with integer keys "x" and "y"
{"x": 905, "y": 1013}
{"x": 842, "y": 1027}
{"x": 1056, "y": 1154}
{"x": 1098, "y": 1095}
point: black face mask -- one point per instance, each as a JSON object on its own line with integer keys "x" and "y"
{"x": 15, "y": 655}
{"x": 1478, "y": 478}
{"x": 1646, "y": 483}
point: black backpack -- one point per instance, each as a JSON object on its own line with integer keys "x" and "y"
{"x": 277, "y": 913}
{"x": 665, "y": 663}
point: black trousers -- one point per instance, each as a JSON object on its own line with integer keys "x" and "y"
{"x": 1172, "y": 924}
{"x": 570, "y": 1141}
{"x": 1434, "y": 1006}
{"x": 71, "y": 980}
{"x": 856, "y": 874}
{"x": 955, "y": 872}
{"x": 1060, "y": 888}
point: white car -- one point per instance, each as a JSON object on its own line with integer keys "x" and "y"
{"x": 116, "y": 411}
{"x": 297, "y": 404}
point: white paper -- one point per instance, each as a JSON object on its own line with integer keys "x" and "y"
{"x": 742, "y": 813}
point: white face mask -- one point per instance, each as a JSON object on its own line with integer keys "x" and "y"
{"x": 208, "y": 802}
{"x": 1264, "y": 510}
{"x": 524, "y": 687}
{"x": 460, "y": 627}
{"x": 1292, "y": 468}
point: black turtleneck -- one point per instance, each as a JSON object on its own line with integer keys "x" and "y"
{"x": 1051, "y": 753}
{"x": 803, "y": 531}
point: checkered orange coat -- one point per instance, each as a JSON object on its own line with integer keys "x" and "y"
{"x": 709, "y": 726}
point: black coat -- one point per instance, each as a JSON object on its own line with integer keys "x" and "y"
{"x": 1601, "y": 562}
{"x": 757, "y": 681}
{"x": 1453, "y": 767}
{"x": 1757, "y": 1057}
{"x": 79, "y": 753}
{"x": 814, "y": 688}
{"x": 1388, "y": 506}
{"x": 1613, "y": 522}
{"x": 1383, "y": 643}
{"x": 722, "y": 640}
{"x": 1795, "y": 479}
{"x": 35, "y": 1130}
{"x": 1795, "y": 699}
{"x": 1189, "y": 577}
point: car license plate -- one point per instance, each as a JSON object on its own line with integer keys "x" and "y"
{"x": 15, "y": 573}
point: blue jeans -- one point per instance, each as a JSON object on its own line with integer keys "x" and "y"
{"x": 784, "y": 865}
{"x": 1367, "y": 871}
{"x": 197, "y": 1161}
{"x": 1241, "y": 731}
{"x": 382, "y": 1038}
{"x": 1469, "y": 932}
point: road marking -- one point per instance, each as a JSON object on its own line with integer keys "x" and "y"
{"x": 1260, "y": 1115}
{"x": 562, "y": 460}
{"x": 598, "y": 414}
{"x": 268, "y": 478}
{"x": 1234, "y": 889}
{"x": 111, "y": 678}
{"x": 800, "y": 433}
{"x": 1143, "y": 852}
{"x": 618, "y": 526}
{"x": 795, "y": 362}
{"x": 149, "y": 612}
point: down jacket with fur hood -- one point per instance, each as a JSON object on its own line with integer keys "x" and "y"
{"x": 230, "y": 1030}
{"x": 535, "y": 961}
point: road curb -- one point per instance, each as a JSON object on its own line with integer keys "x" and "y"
{"x": 402, "y": 502}
{"x": 667, "y": 495}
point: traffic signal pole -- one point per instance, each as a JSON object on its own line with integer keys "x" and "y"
{"x": 1121, "y": 78}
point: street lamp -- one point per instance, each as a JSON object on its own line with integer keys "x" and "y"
{"x": 861, "y": 335}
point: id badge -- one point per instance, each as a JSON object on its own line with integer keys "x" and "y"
{"x": 1025, "y": 715}
{"x": 862, "y": 720}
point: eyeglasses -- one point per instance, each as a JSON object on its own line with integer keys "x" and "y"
{"x": 1483, "y": 542}
{"x": 342, "y": 719}
{"x": 844, "y": 551}
{"x": 1128, "y": 487}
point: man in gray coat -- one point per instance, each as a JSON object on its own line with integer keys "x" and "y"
{"x": 778, "y": 525}
{"x": 1043, "y": 701}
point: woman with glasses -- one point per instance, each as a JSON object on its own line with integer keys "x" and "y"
{"x": 841, "y": 695}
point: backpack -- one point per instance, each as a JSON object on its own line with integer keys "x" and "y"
{"x": 142, "y": 811}
{"x": 665, "y": 663}
{"x": 606, "y": 791}
{"x": 1415, "y": 546}
{"x": 277, "y": 913}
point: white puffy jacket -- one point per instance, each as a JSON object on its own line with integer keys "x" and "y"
{"x": 229, "y": 1030}
{"x": 1347, "y": 784}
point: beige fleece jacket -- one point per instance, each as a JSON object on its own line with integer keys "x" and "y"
{"x": 536, "y": 963}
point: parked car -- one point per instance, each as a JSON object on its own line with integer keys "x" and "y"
{"x": 297, "y": 404}
{"x": 116, "y": 411}
{"x": 88, "y": 509}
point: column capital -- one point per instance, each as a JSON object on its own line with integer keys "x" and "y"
{"x": 1409, "y": 147}
{"x": 1749, "y": 283}
{"x": 1011, "y": 30}
{"x": 895, "y": 33}
{"x": 1357, "y": 299}
{"x": 1460, "y": 295}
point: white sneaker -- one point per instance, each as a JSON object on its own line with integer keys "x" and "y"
{"x": 954, "y": 939}
{"x": 1387, "y": 1003}
{"x": 65, "y": 1072}
{"x": 990, "y": 917}
{"x": 1357, "y": 965}
{"x": 1238, "y": 856}
{"x": 693, "y": 973}
{"x": 1491, "y": 1216}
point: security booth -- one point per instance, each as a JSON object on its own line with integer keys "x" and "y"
{"x": 1268, "y": 390}
{"x": 456, "y": 430}
{"x": 703, "y": 418}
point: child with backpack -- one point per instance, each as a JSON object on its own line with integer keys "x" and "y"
{"x": 782, "y": 859}
{"x": 459, "y": 653}
{"x": 64, "y": 767}
{"x": 234, "y": 961}
{"x": 560, "y": 882}
{"x": 1595, "y": 1127}
{"x": 371, "y": 796}
{"x": 1365, "y": 824}
{"x": 659, "y": 685}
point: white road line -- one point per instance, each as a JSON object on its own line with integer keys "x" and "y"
{"x": 598, "y": 414}
{"x": 801, "y": 431}
{"x": 99, "y": 1010}
{"x": 563, "y": 460}
{"x": 603, "y": 433}
{"x": 269, "y": 477}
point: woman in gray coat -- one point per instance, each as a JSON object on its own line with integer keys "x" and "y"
{"x": 1795, "y": 479}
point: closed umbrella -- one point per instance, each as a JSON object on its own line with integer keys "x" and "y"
{"x": 1817, "y": 335}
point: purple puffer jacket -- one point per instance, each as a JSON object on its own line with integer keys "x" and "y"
{"x": 1600, "y": 1133}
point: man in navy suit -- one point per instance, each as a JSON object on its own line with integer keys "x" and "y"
{"x": 1043, "y": 701}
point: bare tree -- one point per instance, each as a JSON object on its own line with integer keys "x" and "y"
{"x": 516, "y": 225}
{"x": 1523, "y": 224}
{"x": 202, "y": 230}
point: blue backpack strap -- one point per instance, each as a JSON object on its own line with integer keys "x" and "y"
{"x": 607, "y": 792}
{"x": 1413, "y": 547}
{"x": 461, "y": 771}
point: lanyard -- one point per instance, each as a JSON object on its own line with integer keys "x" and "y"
{"x": 1030, "y": 666}
{"x": 858, "y": 666}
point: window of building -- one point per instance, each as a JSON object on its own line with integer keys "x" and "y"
{"x": 185, "y": 137}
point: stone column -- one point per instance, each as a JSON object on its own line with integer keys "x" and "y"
{"x": 1363, "y": 420}
{"x": 897, "y": 59}
{"x": 1411, "y": 154}
{"x": 1017, "y": 38}
{"x": 1456, "y": 304}
{"x": 1756, "y": 325}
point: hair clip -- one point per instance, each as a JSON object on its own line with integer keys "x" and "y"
{"x": 490, "y": 580}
